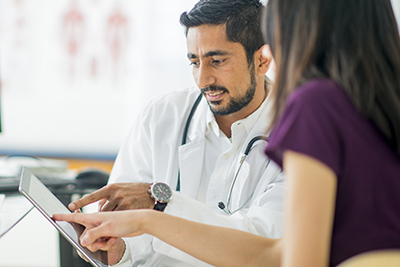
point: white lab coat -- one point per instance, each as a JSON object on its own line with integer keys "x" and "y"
{"x": 153, "y": 152}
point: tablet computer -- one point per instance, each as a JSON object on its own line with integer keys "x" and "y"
{"x": 48, "y": 205}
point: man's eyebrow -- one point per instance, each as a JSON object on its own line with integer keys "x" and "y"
{"x": 191, "y": 56}
{"x": 208, "y": 54}
{"x": 216, "y": 53}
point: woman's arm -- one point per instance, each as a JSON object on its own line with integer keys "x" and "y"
{"x": 215, "y": 245}
{"x": 218, "y": 246}
{"x": 310, "y": 203}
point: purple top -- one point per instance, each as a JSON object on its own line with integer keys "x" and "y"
{"x": 322, "y": 122}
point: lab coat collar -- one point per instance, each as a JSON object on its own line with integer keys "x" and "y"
{"x": 251, "y": 120}
{"x": 263, "y": 118}
{"x": 212, "y": 124}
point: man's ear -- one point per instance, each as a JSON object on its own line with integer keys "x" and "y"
{"x": 263, "y": 59}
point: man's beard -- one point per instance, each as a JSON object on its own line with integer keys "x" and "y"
{"x": 234, "y": 104}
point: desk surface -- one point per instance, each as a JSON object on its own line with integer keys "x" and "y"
{"x": 32, "y": 242}
{"x": 12, "y": 210}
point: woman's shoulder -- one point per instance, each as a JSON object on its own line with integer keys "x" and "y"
{"x": 318, "y": 91}
{"x": 321, "y": 96}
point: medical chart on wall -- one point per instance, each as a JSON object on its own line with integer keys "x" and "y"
{"x": 74, "y": 73}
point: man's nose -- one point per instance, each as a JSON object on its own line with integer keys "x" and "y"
{"x": 204, "y": 76}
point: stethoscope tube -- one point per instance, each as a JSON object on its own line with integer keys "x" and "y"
{"x": 221, "y": 205}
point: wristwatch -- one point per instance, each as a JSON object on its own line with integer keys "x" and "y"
{"x": 161, "y": 193}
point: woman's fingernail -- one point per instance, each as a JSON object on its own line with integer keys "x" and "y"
{"x": 72, "y": 206}
{"x": 84, "y": 241}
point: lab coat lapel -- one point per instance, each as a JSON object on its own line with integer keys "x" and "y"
{"x": 191, "y": 155}
{"x": 191, "y": 158}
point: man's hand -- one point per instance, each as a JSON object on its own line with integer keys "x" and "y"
{"x": 120, "y": 196}
{"x": 115, "y": 248}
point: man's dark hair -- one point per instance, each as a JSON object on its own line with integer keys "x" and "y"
{"x": 242, "y": 18}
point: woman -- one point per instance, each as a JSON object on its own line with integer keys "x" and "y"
{"x": 337, "y": 138}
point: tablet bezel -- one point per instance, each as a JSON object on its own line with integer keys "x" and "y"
{"x": 24, "y": 186}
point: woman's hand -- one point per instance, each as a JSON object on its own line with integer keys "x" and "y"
{"x": 104, "y": 229}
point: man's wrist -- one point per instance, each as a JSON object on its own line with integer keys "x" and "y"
{"x": 123, "y": 250}
{"x": 120, "y": 255}
{"x": 151, "y": 199}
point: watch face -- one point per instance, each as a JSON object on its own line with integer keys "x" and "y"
{"x": 161, "y": 192}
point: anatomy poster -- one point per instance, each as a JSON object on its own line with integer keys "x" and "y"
{"x": 76, "y": 72}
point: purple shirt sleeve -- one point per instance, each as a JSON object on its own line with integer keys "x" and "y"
{"x": 310, "y": 124}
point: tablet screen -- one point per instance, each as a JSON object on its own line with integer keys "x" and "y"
{"x": 48, "y": 205}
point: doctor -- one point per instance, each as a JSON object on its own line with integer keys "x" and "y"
{"x": 224, "y": 44}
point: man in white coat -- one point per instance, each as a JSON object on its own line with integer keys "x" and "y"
{"x": 224, "y": 44}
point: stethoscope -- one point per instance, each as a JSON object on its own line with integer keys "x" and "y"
{"x": 249, "y": 147}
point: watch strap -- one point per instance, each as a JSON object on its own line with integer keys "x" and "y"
{"x": 160, "y": 206}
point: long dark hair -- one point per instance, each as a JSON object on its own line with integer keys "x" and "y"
{"x": 242, "y": 18}
{"x": 355, "y": 43}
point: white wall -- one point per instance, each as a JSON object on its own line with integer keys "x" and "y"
{"x": 396, "y": 8}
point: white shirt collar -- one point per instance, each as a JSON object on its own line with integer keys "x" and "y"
{"x": 248, "y": 122}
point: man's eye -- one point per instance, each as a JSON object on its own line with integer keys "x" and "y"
{"x": 194, "y": 64}
{"x": 217, "y": 61}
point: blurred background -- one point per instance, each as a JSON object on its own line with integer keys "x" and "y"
{"x": 74, "y": 73}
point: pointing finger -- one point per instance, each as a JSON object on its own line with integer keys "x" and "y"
{"x": 73, "y": 217}
{"x": 102, "y": 193}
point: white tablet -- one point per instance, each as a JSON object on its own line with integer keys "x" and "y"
{"x": 48, "y": 205}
